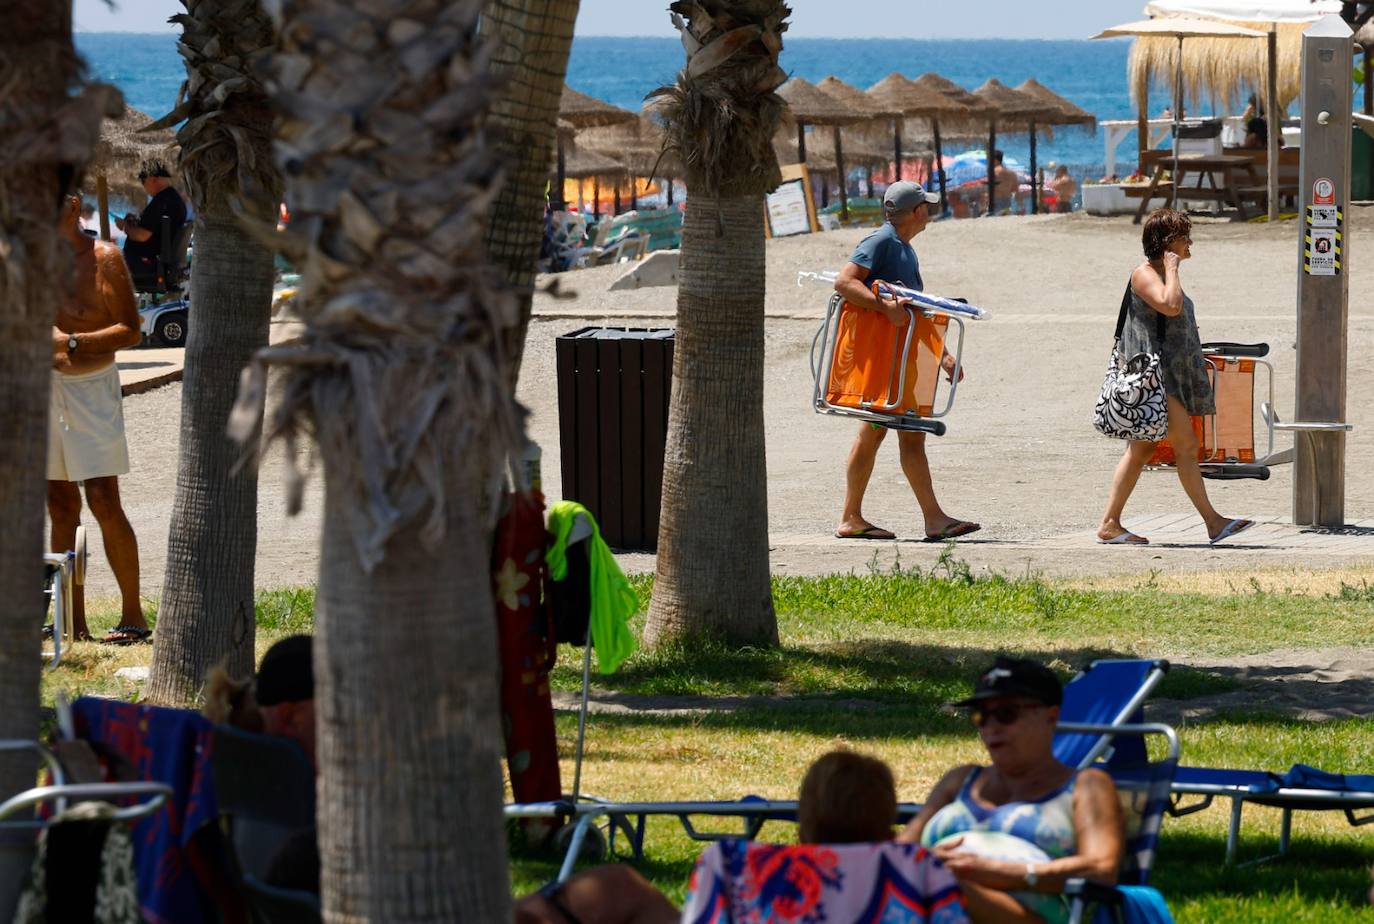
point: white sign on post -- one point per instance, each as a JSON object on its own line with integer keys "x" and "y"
{"x": 1323, "y": 252}
{"x": 787, "y": 212}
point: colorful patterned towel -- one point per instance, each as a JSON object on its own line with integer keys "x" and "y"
{"x": 169, "y": 746}
{"x": 745, "y": 882}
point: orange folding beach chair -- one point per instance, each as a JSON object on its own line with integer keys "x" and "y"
{"x": 862, "y": 366}
{"x": 1226, "y": 439}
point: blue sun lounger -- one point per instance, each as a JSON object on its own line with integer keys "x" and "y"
{"x": 1301, "y": 789}
{"x": 1106, "y": 695}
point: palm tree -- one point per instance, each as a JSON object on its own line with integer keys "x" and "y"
{"x": 42, "y": 127}
{"x": 401, "y": 383}
{"x": 530, "y": 43}
{"x": 206, "y": 611}
{"x": 713, "y": 535}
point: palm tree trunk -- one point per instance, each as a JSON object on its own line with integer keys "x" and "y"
{"x": 531, "y": 41}
{"x": 401, "y": 381}
{"x": 714, "y": 474}
{"x": 206, "y": 612}
{"x": 410, "y": 780}
{"x": 720, "y": 119}
{"x": 43, "y": 128}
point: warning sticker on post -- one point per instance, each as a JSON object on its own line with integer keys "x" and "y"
{"x": 1323, "y": 192}
{"x": 1322, "y": 252}
{"x": 1323, "y": 216}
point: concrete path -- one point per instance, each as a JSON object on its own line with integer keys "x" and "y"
{"x": 145, "y": 368}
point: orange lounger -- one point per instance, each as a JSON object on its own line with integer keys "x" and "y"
{"x": 863, "y": 366}
{"x": 1226, "y": 439}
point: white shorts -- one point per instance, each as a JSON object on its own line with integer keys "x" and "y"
{"x": 86, "y": 426}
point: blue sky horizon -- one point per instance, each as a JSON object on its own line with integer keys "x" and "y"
{"x": 1072, "y": 19}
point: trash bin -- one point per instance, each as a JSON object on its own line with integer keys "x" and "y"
{"x": 613, "y": 387}
{"x": 1361, "y": 167}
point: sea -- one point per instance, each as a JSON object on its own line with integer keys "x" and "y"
{"x": 622, "y": 71}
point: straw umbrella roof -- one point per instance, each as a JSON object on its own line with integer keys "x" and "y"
{"x": 582, "y": 111}
{"x": 1012, "y": 107}
{"x": 976, "y": 105}
{"x": 584, "y": 163}
{"x": 915, "y": 99}
{"x": 122, "y": 149}
{"x": 858, "y": 100}
{"x": 812, "y": 107}
{"x": 638, "y": 145}
{"x": 1066, "y": 112}
{"x": 1215, "y": 62}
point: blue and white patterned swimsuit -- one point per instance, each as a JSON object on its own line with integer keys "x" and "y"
{"x": 1047, "y": 823}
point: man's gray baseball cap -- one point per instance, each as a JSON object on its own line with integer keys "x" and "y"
{"x": 904, "y": 194}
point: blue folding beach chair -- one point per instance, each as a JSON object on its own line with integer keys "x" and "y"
{"x": 1301, "y": 789}
{"x": 1101, "y": 699}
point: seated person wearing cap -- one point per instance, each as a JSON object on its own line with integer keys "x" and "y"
{"x": 887, "y": 255}
{"x": 143, "y": 233}
{"x": 1013, "y": 832}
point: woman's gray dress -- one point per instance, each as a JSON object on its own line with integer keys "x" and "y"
{"x": 1180, "y": 353}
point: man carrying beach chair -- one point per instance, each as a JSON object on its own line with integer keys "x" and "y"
{"x": 887, "y": 255}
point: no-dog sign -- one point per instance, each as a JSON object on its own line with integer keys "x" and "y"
{"x": 1323, "y": 192}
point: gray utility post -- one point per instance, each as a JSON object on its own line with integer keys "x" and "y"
{"x": 1323, "y": 289}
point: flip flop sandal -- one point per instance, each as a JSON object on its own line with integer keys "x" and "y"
{"x": 953, "y": 531}
{"x": 1234, "y": 528}
{"x": 1126, "y": 538}
{"x": 133, "y": 635}
{"x": 868, "y": 532}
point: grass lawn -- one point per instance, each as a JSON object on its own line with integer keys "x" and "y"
{"x": 869, "y": 660}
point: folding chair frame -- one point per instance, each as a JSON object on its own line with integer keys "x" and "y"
{"x": 825, "y": 341}
{"x": 1219, "y": 355}
{"x": 70, "y": 570}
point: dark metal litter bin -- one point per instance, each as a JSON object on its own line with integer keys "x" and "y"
{"x": 613, "y": 386}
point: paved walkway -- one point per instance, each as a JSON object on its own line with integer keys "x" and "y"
{"x": 144, "y": 368}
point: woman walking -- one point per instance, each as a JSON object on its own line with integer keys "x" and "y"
{"x": 1156, "y": 291}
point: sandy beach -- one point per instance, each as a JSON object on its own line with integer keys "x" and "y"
{"x": 1020, "y": 456}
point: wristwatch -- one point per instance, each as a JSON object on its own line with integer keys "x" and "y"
{"x": 71, "y": 343}
{"x": 1032, "y": 879}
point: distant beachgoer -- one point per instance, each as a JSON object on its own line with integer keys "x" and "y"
{"x": 1257, "y": 134}
{"x": 86, "y": 443}
{"x": 1065, "y": 188}
{"x": 1015, "y": 831}
{"x": 143, "y": 244}
{"x": 1156, "y": 291}
{"x": 887, "y": 255}
{"x": 1008, "y": 183}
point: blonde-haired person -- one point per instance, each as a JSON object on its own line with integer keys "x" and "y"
{"x": 1157, "y": 292}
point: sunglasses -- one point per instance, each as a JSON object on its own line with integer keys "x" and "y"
{"x": 1009, "y": 714}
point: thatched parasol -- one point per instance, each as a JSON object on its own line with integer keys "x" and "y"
{"x": 1175, "y": 29}
{"x": 932, "y": 98}
{"x": 638, "y": 145}
{"x": 1011, "y": 110}
{"x": 856, "y": 140}
{"x": 580, "y": 162}
{"x": 582, "y": 111}
{"x": 809, "y": 106}
{"x": 119, "y": 155}
{"x": 1062, "y": 112}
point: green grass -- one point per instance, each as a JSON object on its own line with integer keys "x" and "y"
{"x": 870, "y": 660}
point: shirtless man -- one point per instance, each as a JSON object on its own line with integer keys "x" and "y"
{"x": 86, "y": 441}
{"x": 1008, "y": 183}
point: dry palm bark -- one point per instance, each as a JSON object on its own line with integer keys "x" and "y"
{"x": 530, "y": 42}
{"x": 721, "y": 117}
{"x": 401, "y": 383}
{"x": 206, "y": 610}
{"x": 41, "y": 127}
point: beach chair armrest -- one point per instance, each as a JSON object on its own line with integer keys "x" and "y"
{"x": 1358, "y": 820}
{"x": 1091, "y": 891}
{"x": 1234, "y": 471}
{"x": 1177, "y": 809}
{"x": 1246, "y": 350}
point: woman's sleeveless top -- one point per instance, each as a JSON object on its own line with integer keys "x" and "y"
{"x": 1046, "y": 822}
{"x": 1180, "y": 352}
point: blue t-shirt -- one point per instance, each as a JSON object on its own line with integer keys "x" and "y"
{"x": 889, "y": 258}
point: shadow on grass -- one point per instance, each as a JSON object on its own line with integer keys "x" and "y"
{"x": 1320, "y": 874}
{"x": 911, "y": 676}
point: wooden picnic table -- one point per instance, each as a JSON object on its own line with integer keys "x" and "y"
{"x": 1226, "y": 175}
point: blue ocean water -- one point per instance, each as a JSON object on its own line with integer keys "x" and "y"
{"x": 622, "y": 70}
